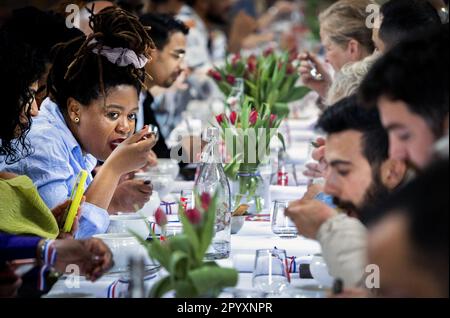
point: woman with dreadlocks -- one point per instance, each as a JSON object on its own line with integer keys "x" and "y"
{"x": 94, "y": 85}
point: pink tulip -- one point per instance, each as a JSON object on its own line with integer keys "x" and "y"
{"x": 233, "y": 118}
{"x": 253, "y": 117}
{"x": 236, "y": 59}
{"x": 206, "y": 201}
{"x": 160, "y": 217}
{"x": 194, "y": 216}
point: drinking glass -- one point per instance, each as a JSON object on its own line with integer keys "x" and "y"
{"x": 281, "y": 224}
{"x": 152, "y": 129}
{"x": 270, "y": 274}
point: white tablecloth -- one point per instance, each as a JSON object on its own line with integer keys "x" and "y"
{"x": 253, "y": 236}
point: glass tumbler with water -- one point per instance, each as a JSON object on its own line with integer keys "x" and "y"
{"x": 270, "y": 274}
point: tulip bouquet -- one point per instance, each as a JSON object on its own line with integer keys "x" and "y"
{"x": 247, "y": 137}
{"x": 190, "y": 276}
{"x": 270, "y": 80}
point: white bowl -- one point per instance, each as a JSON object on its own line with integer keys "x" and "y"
{"x": 319, "y": 271}
{"x": 124, "y": 247}
{"x": 151, "y": 206}
{"x": 237, "y": 222}
{"x": 166, "y": 166}
{"x": 162, "y": 183}
{"x": 127, "y": 224}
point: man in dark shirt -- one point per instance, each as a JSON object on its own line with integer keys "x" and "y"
{"x": 166, "y": 66}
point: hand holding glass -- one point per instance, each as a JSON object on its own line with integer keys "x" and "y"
{"x": 281, "y": 224}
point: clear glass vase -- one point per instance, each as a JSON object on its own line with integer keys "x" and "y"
{"x": 251, "y": 188}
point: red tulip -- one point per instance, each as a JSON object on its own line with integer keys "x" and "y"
{"x": 290, "y": 69}
{"x": 273, "y": 118}
{"x": 293, "y": 55}
{"x": 231, "y": 79}
{"x": 221, "y": 118}
{"x": 215, "y": 75}
{"x": 233, "y": 117}
{"x": 206, "y": 201}
{"x": 252, "y": 63}
{"x": 194, "y": 216}
{"x": 268, "y": 52}
{"x": 253, "y": 117}
{"x": 280, "y": 66}
{"x": 160, "y": 217}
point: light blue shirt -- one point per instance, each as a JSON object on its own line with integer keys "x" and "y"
{"x": 54, "y": 166}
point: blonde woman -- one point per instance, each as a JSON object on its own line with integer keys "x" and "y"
{"x": 346, "y": 39}
{"x": 348, "y": 79}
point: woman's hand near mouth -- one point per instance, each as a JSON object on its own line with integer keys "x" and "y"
{"x": 133, "y": 153}
{"x": 129, "y": 156}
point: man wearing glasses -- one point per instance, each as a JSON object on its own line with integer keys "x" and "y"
{"x": 165, "y": 68}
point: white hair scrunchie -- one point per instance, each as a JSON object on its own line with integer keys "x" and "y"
{"x": 122, "y": 56}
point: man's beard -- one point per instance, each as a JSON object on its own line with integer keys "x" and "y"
{"x": 376, "y": 193}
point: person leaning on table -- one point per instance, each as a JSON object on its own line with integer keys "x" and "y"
{"x": 22, "y": 211}
{"x": 92, "y": 257}
{"x": 359, "y": 174}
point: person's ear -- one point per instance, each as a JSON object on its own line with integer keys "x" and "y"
{"x": 154, "y": 55}
{"x": 393, "y": 173}
{"x": 74, "y": 110}
{"x": 354, "y": 50}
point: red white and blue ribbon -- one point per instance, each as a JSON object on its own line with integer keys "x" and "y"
{"x": 293, "y": 265}
{"x": 167, "y": 207}
{"x": 49, "y": 258}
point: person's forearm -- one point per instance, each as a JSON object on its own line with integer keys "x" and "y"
{"x": 265, "y": 20}
{"x": 14, "y": 247}
{"x": 344, "y": 247}
{"x": 102, "y": 188}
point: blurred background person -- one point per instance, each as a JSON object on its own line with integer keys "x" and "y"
{"x": 410, "y": 243}
{"x": 410, "y": 88}
{"x": 403, "y": 19}
{"x": 346, "y": 39}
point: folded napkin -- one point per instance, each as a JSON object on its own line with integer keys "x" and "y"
{"x": 119, "y": 288}
{"x": 179, "y": 186}
{"x": 169, "y": 204}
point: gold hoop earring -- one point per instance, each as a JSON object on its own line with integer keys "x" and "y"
{"x": 77, "y": 120}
